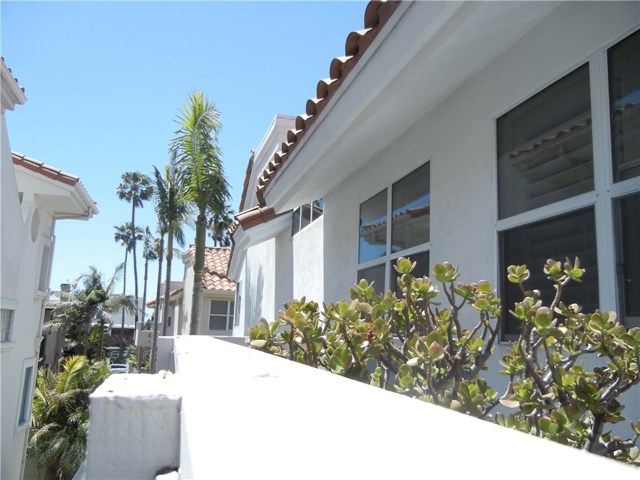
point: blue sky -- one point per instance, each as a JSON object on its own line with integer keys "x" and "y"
{"x": 105, "y": 80}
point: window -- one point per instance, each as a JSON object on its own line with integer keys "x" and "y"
{"x": 221, "y": 315}
{"x": 382, "y": 241}
{"x": 628, "y": 260}
{"x": 571, "y": 235}
{"x": 25, "y": 401}
{"x": 169, "y": 321}
{"x": 555, "y": 197}
{"x": 544, "y": 147}
{"x": 624, "y": 106}
{"x": 305, "y": 215}
{"x": 7, "y": 324}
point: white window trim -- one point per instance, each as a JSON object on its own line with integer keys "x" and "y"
{"x": 230, "y": 318}
{"x": 389, "y": 257}
{"x": 28, "y": 362}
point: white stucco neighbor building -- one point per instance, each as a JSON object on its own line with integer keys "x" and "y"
{"x": 480, "y": 133}
{"x": 217, "y": 311}
{"x": 34, "y": 197}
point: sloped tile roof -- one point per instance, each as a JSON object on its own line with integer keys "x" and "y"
{"x": 214, "y": 276}
{"x": 43, "y": 169}
{"x": 376, "y": 15}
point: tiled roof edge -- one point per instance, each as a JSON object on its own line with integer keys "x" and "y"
{"x": 376, "y": 15}
{"x": 43, "y": 169}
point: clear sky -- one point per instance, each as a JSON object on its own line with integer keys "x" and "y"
{"x": 104, "y": 81}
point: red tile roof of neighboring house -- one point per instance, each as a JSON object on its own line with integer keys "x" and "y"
{"x": 43, "y": 169}
{"x": 376, "y": 15}
{"x": 216, "y": 260}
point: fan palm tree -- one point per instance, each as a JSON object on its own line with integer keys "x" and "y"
{"x": 219, "y": 225}
{"x": 60, "y": 415}
{"x": 124, "y": 234}
{"x": 135, "y": 188}
{"x": 196, "y": 147}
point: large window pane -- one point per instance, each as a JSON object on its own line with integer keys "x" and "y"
{"x": 7, "y": 324}
{"x": 410, "y": 215}
{"x": 421, "y": 270}
{"x": 305, "y": 215}
{"x": 544, "y": 147}
{"x": 373, "y": 228}
{"x": 628, "y": 213}
{"x": 624, "y": 97}
{"x": 218, "y": 307}
{"x": 373, "y": 274}
{"x": 572, "y": 235}
{"x": 317, "y": 209}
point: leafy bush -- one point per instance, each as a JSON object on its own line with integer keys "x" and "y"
{"x": 60, "y": 415}
{"x": 418, "y": 345}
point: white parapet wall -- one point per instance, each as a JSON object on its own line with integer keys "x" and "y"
{"x": 134, "y": 427}
{"x": 246, "y": 414}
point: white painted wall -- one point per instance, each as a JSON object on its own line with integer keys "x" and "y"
{"x": 308, "y": 262}
{"x": 458, "y": 137}
{"x": 259, "y": 283}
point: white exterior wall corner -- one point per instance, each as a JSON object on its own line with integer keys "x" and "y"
{"x": 259, "y": 283}
{"x": 458, "y": 137}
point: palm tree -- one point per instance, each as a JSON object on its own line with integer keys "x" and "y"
{"x": 60, "y": 415}
{"x": 196, "y": 147}
{"x": 150, "y": 247}
{"x": 135, "y": 188}
{"x": 219, "y": 225}
{"x": 124, "y": 234}
{"x": 173, "y": 211}
{"x": 93, "y": 300}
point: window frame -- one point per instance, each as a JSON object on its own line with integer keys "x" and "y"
{"x": 229, "y": 316}
{"x": 605, "y": 191}
{"x": 10, "y": 322}
{"x": 389, "y": 257}
{"x": 297, "y": 214}
{"x": 25, "y": 400}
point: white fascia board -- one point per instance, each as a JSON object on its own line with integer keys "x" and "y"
{"x": 11, "y": 92}
{"x": 425, "y": 52}
{"x": 245, "y": 239}
{"x": 80, "y": 205}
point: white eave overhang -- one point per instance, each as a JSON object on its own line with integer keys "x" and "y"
{"x": 422, "y": 55}
{"x": 244, "y": 239}
{"x": 11, "y": 92}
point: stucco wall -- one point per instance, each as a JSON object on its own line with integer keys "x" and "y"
{"x": 259, "y": 283}
{"x": 308, "y": 273}
{"x": 458, "y": 138}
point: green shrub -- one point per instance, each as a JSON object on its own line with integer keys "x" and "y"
{"x": 418, "y": 345}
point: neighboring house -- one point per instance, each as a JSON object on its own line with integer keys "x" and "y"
{"x": 218, "y": 295}
{"x": 34, "y": 197}
{"x": 480, "y": 133}
{"x": 175, "y": 307}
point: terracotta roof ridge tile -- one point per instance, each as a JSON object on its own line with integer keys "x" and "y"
{"x": 376, "y": 15}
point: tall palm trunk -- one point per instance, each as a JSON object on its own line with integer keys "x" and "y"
{"x": 198, "y": 267}
{"x": 135, "y": 263}
{"x": 144, "y": 306}
{"x": 124, "y": 292}
{"x": 156, "y": 311}
{"x": 165, "y": 308}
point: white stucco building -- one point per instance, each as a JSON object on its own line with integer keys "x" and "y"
{"x": 34, "y": 197}
{"x": 480, "y": 133}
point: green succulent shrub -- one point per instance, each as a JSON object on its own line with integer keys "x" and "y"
{"x": 416, "y": 343}
{"x": 552, "y": 392}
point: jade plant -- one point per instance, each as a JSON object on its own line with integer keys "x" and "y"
{"x": 432, "y": 340}
{"x": 552, "y": 391}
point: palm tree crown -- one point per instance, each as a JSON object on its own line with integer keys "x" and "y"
{"x": 196, "y": 148}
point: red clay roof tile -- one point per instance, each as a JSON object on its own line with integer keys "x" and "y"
{"x": 376, "y": 15}
{"x": 214, "y": 276}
